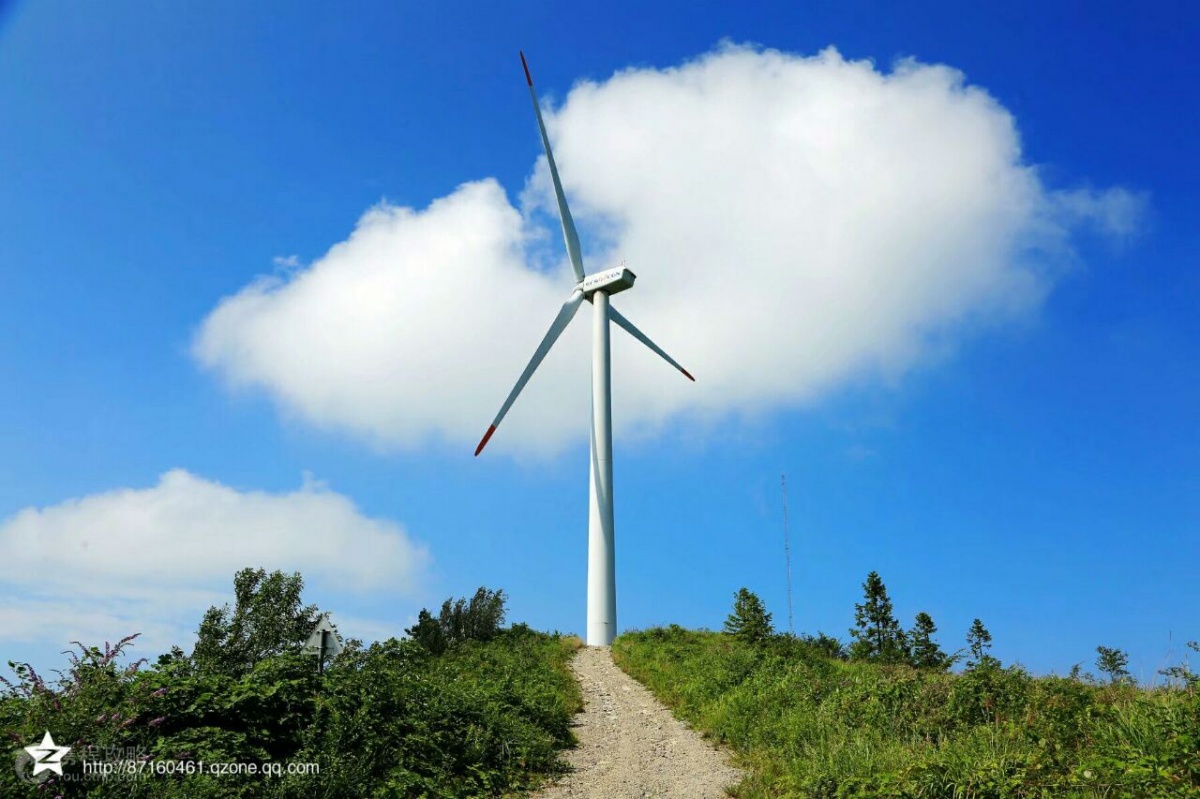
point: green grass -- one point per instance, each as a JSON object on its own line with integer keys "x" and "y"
{"x": 808, "y": 726}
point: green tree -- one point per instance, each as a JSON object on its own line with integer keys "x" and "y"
{"x": 477, "y": 619}
{"x": 428, "y": 632}
{"x": 1113, "y": 662}
{"x": 924, "y": 653}
{"x": 749, "y": 619}
{"x": 979, "y": 641}
{"x": 267, "y": 619}
{"x": 878, "y": 635}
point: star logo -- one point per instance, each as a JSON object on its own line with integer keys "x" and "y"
{"x": 47, "y": 756}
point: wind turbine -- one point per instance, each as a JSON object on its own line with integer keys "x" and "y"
{"x": 596, "y": 289}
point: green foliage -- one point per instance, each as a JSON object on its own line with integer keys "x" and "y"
{"x": 826, "y": 645}
{"x": 1112, "y": 662}
{"x": 428, "y": 633}
{"x": 459, "y": 621}
{"x": 989, "y": 694}
{"x": 877, "y": 635}
{"x": 484, "y": 719}
{"x": 810, "y": 726}
{"x": 979, "y": 642}
{"x": 749, "y": 619}
{"x": 480, "y": 720}
{"x": 924, "y": 653}
{"x": 268, "y": 618}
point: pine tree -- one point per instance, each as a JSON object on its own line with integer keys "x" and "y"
{"x": 878, "y": 635}
{"x": 979, "y": 640}
{"x": 749, "y": 619}
{"x": 924, "y": 653}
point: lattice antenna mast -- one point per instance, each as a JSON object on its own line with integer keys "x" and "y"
{"x": 787, "y": 552}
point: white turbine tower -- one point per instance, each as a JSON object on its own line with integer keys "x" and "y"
{"x": 596, "y": 289}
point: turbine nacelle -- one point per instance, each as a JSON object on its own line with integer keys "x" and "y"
{"x": 610, "y": 281}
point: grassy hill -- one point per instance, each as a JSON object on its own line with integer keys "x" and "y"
{"x": 808, "y": 725}
{"x": 464, "y": 707}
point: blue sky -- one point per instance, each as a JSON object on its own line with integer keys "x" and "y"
{"x": 983, "y": 385}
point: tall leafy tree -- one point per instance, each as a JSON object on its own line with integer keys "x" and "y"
{"x": 877, "y": 635}
{"x": 979, "y": 641}
{"x": 267, "y": 619}
{"x": 749, "y": 619}
{"x": 924, "y": 653}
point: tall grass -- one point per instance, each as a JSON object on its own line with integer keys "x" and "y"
{"x": 809, "y": 726}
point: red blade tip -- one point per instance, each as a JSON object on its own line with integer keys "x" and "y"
{"x": 483, "y": 443}
{"x": 688, "y": 375}
{"x": 528, "y": 79}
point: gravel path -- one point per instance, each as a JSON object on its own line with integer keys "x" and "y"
{"x": 631, "y": 747}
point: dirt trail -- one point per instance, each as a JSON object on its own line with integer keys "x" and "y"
{"x": 631, "y": 747}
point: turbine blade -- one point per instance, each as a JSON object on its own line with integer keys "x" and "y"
{"x": 564, "y": 213}
{"x": 565, "y": 315}
{"x": 616, "y": 316}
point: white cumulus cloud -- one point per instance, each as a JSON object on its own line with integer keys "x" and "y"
{"x": 795, "y": 223}
{"x": 153, "y": 560}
